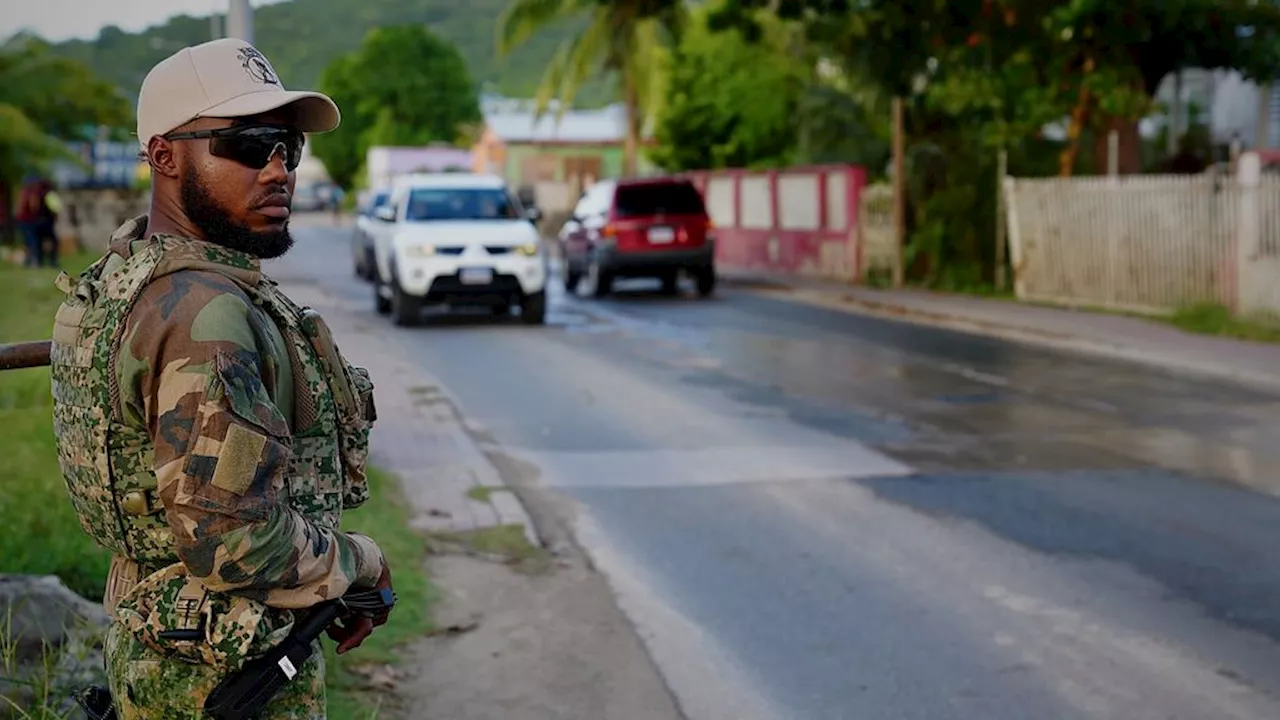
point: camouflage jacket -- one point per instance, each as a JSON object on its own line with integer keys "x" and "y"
{"x": 210, "y": 434}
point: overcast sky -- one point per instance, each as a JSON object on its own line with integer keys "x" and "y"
{"x": 63, "y": 19}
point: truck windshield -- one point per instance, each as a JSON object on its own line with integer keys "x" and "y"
{"x": 427, "y": 204}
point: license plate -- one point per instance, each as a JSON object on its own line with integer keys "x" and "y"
{"x": 476, "y": 276}
{"x": 660, "y": 235}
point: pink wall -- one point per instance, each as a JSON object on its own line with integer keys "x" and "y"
{"x": 791, "y": 221}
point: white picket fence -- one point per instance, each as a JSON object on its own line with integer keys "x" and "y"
{"x": 1148, "y": 243}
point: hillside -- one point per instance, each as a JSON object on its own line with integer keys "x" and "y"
{"x": 302, "y": 36}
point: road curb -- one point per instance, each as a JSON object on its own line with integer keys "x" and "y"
{"x": 1031, "y": 336}
{"x": 505, "y": 505}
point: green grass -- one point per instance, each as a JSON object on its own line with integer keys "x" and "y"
{"x": 1215, "y": 319}
{"x": 41, "y": 533}
{"x": 507, "y": 542}
{"x": 385, "y": 518}
{"x": 1212, "y": 319}
{"x": 482, "y": 493}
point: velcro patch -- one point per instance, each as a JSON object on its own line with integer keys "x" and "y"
{"x": 238, "y": 459}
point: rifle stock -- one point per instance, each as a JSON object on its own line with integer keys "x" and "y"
{"x": 243, "y": 694}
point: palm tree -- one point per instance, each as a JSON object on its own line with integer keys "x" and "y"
{"x": 621, "y": 36}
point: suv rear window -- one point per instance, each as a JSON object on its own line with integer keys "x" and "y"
{"x": 655, "y": 198}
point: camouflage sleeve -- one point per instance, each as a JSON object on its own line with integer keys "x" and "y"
{"x": 190, "y": 368}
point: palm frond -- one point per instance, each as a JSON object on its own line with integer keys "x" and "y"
{"x": 648, "y": 66}
{"x": 589, "y": 56}
{"x": 577, "y": 59}
{"x": 553, "y": 77}
{"x": 523, "y": 18}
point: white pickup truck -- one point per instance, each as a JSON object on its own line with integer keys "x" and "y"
{"x": 453, "y": 240}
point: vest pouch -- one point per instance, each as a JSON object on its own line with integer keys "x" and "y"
{"x": 175, "y": 615}
{"x": 143, "y": 523}
{"x": 355, "y": 441}
{"x": 352, "y": 391}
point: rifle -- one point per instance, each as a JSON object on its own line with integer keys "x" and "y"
{"x": 242, "y": 694}
{"x": 96, "y": 702}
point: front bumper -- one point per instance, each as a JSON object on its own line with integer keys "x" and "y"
{"x": 434, "y": 277}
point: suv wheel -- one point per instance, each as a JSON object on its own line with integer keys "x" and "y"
{"x": 571, "y": 280}
{"x": 380, "y": 304}
{"x": 599, "y": 281}
{"x": 405, "y": 308}
{"x": 671, "y": 283}
{"x": 534, "y": 309}
{"x": 706, "y": 278}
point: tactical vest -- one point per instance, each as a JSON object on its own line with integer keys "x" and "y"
{"x": 108, "y": 465}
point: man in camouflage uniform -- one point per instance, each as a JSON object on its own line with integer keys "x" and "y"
{"x": 209, "y": 431}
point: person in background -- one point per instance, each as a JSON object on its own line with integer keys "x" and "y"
{"x": 336, "y": 196}
{"x": 46, "y": 227}
{"x": 31, "y": 216}
{"x": 38, "y": 210}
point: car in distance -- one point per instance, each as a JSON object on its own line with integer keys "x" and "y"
{"x": 457, "y": 240}
{"x": 642, "y": 227}
{"x": 362, "y": 234}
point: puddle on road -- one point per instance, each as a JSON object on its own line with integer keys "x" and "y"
{"x": 934, "y": 400}
{"x": 1019, "y": 409}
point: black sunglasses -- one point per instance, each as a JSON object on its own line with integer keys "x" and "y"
{"x": 250, "y": 145}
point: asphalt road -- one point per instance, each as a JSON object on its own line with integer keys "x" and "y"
{"x": 813, "y": 514}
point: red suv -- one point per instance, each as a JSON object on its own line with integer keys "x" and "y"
{"x": 644, "y": 227}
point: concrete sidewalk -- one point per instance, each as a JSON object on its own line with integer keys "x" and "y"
{"x": 1115, "y": 336}
{"x": 419, "y": 435}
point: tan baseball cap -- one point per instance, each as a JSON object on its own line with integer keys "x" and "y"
{"x": 225, "y": 78}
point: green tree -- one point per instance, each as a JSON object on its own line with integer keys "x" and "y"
{"x": 404, "y": 86}
{"x": 980, "y": 75}
{"x": 1020, "y": 63}
{"x": 304, "y": 36}
{"x": 342, "y": 150}
{"x": 1120, "y": 52}
{"x": 45, "y": 101}
{"x": 712, "y": 115}
{"x": 620, "y": 37}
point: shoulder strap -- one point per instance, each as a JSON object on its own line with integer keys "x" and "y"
{"x": 121, "y": 288}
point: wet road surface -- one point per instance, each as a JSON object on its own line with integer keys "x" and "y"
{"x": 813, "y": 514}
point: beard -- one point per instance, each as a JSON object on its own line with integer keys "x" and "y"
{"x": 219, "y": 228}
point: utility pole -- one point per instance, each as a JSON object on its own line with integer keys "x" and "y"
{"x": 1175, "y": 117}
{"x": 240, "y": 20}
{"x": 1263, "y": 140}
{"x": 1002, "y": 216}
{"x": 899, "y": 194}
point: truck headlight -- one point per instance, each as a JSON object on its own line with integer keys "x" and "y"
{"x": 528, "y": 249}
{"x": 425, "y": 250}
